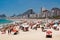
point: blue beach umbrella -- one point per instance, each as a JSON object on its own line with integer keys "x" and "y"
{"x": 55, "y": 25}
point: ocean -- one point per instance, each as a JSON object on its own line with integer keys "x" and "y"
{"x": 3, "y": 21}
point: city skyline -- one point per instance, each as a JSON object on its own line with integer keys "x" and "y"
{"x": 10, "y": 7}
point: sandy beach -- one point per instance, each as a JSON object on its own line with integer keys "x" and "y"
{"x": 29, "y": 19}
{"x": 31, "y": 35}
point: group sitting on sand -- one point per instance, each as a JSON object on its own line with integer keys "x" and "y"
{"x": 15, "y": 28}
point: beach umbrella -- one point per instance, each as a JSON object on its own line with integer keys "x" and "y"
{"x": 25, "y": 25}
{"x": 55, "y": 25}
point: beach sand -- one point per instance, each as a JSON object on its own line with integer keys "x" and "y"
{"x": 31, "y": 35}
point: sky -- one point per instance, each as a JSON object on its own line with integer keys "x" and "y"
{"x": 10, "y": 7}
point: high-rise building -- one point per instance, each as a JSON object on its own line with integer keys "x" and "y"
{"x": 55, "y": 11}
{"x": 45, "y": 13}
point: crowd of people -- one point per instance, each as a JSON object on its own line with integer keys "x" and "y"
{"x": 25, "y": 26}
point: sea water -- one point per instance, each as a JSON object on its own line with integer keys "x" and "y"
{"x": 3, "y": 21}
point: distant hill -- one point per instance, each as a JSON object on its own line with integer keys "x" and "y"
{"x": 13, "y": 15}
{"x": 30, "y": 11}
{"x": 55, "y": 9}
{"x": 3, "y": 15}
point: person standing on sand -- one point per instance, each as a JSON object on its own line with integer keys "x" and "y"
{"x": 10, "y": 29}
{"x": 31, "y": 25}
